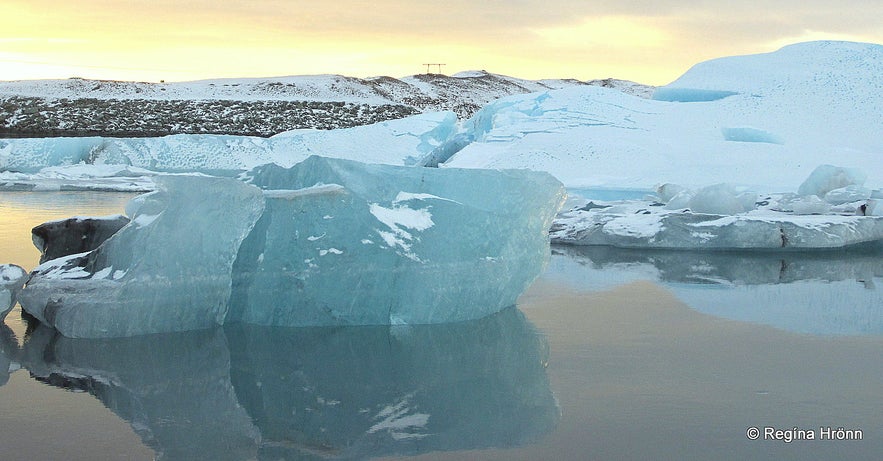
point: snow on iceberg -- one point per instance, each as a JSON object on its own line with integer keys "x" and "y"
{"x": 326, "y": 242}
{"x": 761, "y": 121}
{"x": 721, "y": 217}
{"x": 12, "y": 278}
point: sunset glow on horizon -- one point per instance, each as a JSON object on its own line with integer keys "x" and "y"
{"x": 648, "y": 42}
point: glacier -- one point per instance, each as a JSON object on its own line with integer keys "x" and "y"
{"x": 325, "y": 242}
{"x": 409, "y": 141}
{"x": 760, "y": 121}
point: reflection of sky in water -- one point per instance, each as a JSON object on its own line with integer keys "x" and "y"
{"x": 825, "y": 292}
{"x": 23, "y": 210}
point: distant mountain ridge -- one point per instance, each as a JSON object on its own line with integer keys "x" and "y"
{"x": 252, "y": 106}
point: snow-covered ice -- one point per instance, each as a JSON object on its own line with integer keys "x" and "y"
{"x": 726, "y": 217}
{"x": 443, "y": 245}
{"x": 12, "y": 278}
{"x": 759, "y": 121}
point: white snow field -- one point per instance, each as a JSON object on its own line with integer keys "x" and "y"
{"x": 761, "y": 121}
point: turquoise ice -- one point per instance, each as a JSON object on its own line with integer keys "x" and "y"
{"x": 325, "y": 242}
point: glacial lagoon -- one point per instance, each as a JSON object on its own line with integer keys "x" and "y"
{"x": 611, "y": 354}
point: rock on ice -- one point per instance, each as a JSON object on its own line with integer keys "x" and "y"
{"x": 74, "y": 235}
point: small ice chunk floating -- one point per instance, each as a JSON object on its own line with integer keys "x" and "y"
{"x": 325, "y": 242}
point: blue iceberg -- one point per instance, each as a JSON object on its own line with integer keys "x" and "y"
{"x": 168, "y": 269}
{"x": 325, "y": 242}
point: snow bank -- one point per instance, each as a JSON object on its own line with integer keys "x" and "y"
{"x": 762, "y": 121}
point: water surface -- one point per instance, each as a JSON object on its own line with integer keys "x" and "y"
{"x": 611, "y": 354}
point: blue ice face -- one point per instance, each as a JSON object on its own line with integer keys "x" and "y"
{"x": 326, "y": 242}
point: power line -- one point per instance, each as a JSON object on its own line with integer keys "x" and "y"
{"x": 439, "y": 66}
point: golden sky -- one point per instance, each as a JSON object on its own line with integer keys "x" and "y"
{"x": 647, "y": 41}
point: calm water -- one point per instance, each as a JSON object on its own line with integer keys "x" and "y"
{"x": 611, "y": 354}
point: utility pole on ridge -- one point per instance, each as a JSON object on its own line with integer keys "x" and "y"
{"x": 439, "y": 66}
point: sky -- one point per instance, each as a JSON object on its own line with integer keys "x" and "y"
{"x": 648, "y": 41}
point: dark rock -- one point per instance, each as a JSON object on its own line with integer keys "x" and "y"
{"x": 75, "y": 235}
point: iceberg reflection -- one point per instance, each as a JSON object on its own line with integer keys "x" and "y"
{"x": 8, "y": 353}
{"x": 819, "y": 292}
{"x": 249, "y": 392}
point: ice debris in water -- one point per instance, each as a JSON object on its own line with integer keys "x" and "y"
{"x": 326, "y": 242}
{"x": 11, "y": 279}
{"x": 725, "y": 217}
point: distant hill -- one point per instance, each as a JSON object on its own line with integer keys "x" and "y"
{"x": 254, "y": 106}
